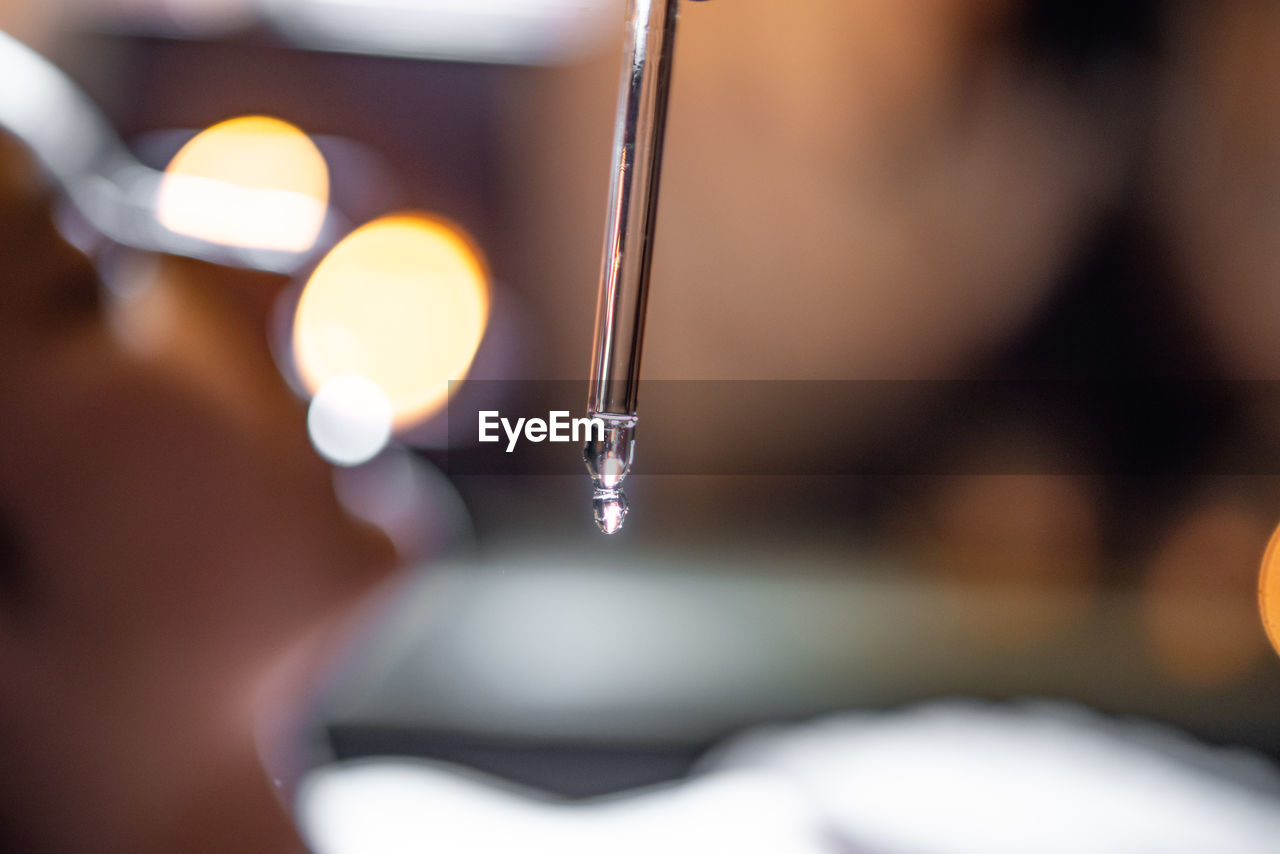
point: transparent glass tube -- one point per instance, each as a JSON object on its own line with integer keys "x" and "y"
{"x": 633, "y": 201}
{"x": 628, "y": 248}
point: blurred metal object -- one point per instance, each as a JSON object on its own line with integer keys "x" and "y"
{"x": 114, "y": 192}
{"x": 667, "y": 653}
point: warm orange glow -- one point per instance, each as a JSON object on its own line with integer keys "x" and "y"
{"x": 255, "y": 182}
{"x": 1269, "y": 590}
{"x": 402, "y": 301}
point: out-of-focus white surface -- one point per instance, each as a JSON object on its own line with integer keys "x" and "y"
{"x": 945, "y": 779}
{"x": 503, "y": 31}
{"x": 970, "y": 779}
{"x": 397, "y": 807}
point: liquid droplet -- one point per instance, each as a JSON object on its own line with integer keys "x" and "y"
{"x": 610, "y": 509}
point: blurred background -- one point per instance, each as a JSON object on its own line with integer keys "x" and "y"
{"x": 923, "y": 197}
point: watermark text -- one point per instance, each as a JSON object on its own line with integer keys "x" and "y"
{"x": 558, "y": 426}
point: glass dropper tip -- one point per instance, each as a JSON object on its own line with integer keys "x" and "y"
{"x": 608, "y": 455}
{"x": 610, "y": 452}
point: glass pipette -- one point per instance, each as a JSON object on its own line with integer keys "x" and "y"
{"x": 628, "y": 252}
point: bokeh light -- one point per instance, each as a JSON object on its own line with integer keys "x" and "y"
{"x": 1269, "y": 590}
{"x": 349, "y": 420}
{"x": 255, "y": 182}
{"x": 403, "y": 302}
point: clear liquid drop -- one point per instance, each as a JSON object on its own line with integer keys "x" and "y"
{"x": 609, "y": 506}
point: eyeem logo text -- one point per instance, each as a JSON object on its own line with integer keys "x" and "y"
{"x": 557, "y": 427}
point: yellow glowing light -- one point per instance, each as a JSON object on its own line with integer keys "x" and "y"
{"x": 402, "y": 301}
{"x": 1269, "y": 590}
{"x": 254, "y": 182}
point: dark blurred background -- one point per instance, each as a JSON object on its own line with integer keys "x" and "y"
{"x": 860, "y": 193}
